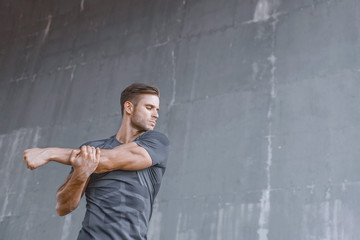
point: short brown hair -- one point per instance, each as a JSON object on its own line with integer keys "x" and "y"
{"x": 134, "y": 90}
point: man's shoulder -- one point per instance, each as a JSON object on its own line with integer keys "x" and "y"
{"x": 97, "y": 143}
{"x": 151, "y": 134}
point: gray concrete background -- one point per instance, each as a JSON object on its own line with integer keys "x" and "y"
{"x": 259, "y": 98}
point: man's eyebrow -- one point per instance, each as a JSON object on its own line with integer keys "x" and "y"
{"x": 149, "y": 104}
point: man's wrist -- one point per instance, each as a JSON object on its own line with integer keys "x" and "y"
{"x": 49, "y": 153}
{"x": 58, "y": 154}
{"x": 80, "y": 175}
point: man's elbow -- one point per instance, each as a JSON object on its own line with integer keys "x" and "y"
{"x": 63, "y": 209}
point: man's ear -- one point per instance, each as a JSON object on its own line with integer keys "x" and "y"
{"x": 128, "y": 107}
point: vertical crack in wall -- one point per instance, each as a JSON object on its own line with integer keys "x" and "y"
{"x": 155, "y": 227}
{"x": 173, "y": 77}
{"x": 220, "y": 222}
{"x": 82, "y": 5}
{"x": 35, "y": 55}
{"x": 73, "y": 69}
{"x": 27, "y": 226}
{"x": 332, "y": 227}
{"x": 265, "y": 204}
{"x": 72, "y": 73}
{"x": 5, "y": 205}
{"x": 264, "y": 10}
{"x": 188, "y": 119}
{"x": 178, "y": 227}
{"x": 47, "y": 29}
{"x": 66, "y": 227}
{"x": 330, "y": 218}
{"x": 6, "y": 200}
{"x": 33, "y": 137}
{"x": 13, "y": 170}
{"x": 9, "y": 156}
{"x": 326, "y": 215}
{"x": 179, "y": 234}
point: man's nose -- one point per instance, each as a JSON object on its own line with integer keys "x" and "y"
{"x": 155, "y": 114}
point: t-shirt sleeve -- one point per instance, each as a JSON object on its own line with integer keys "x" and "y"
{"x": 157, "y": 145}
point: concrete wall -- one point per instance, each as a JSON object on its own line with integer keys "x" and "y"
{"x": 259, "y": 98}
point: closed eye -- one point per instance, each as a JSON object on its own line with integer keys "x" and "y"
{"x": 149, "y": 107}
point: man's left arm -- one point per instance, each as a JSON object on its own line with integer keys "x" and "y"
{"x": 37, "y": 157}
{"x": 128, "y": 156}
{"x": 150, "y": 150}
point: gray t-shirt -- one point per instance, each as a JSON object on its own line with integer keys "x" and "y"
{"x": 119, "y": 203}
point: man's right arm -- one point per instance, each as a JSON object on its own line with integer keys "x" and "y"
{"x": 69, "y": 194}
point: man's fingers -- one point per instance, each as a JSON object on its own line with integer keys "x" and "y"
{"x": 98, "y": 153}
{"x": 27, "y": 160}
{"x": 77, "y": 151}
{"x": 84, "y": 151}
{"x": 73, "y": 154}
{"x": 25, "y": 157}
{"x": 93, "y": 152}
{"x": 90, "y": 151}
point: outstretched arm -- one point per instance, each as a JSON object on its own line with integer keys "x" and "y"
{"x": 69, "y": 194}
{"x": 129, "y": 156}
{"x": 37, "y": 157}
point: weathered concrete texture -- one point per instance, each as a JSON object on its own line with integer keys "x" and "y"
{"x": 260, "y": 100}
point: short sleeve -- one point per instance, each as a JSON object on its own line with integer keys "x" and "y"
{"x": 157, "y": 145}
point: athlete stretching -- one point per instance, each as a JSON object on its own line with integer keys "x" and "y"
{"x": 120, "y": 175}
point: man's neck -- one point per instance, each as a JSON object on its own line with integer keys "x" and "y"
{"x": 127, "y": 133}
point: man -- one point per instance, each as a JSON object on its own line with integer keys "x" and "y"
{"x": 121, "y": 180}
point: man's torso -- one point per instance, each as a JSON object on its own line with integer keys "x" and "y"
{"x": 119, "y": 203}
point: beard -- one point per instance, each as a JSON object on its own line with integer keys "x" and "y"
{"x": 139, "y": 123}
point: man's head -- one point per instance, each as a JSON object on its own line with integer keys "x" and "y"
{"x": 140, "y": 102}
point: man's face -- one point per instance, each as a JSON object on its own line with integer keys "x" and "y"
{"x": 146, "y": 112}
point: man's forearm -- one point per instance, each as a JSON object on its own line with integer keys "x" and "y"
{"x": 37, "y": 157}
{"x": 68, "y": 196}
{"x": 60, "y": 155}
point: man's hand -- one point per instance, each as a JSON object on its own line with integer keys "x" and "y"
{"x": 36, "y": 157}
{"x": 85, "y": 161}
